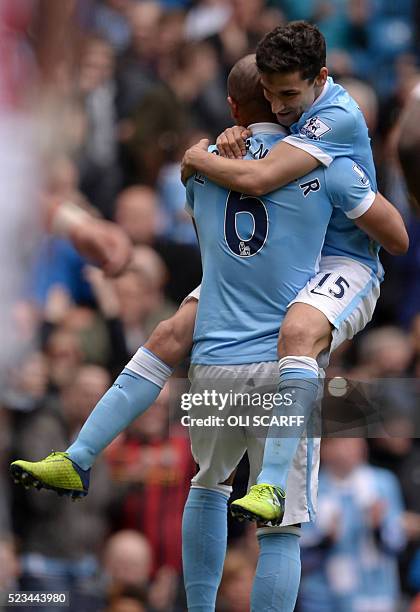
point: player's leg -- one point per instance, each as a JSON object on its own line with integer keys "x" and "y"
{"x": 204, "y": 542}
{"x": 204, "y": 527}
{"x": 171, "y": 341}
{"x": 134, "y": 390}
{"x": 335, "y": 305}
{"x": 304, "y": 334}
{"x": 277, "y": 577}
{"x": 278, "y": 571}
{"x": 137, "y": 387}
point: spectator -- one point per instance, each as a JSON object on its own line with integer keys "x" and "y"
{"x": 127, "y": 560}
{"x": 385, "y": 352}
{"x": 128, "y": 565}
{"x": 64, "y": 354}
{"x": 141, "y": 303}
{"x": 152, "y": 466}
{"x": 399, "y": 451}
{"x": 9, "y": 567}
{"x": 61, "y": 541}
{"x": 111, "y": 21}
{"x": 127, "y": 600}
{"x": 177, "y": 226}
{"x": 235, "y": 588}
{"x": 349, "y": 555}
{"x": 136, "y": 74}
{"x": 100, "y": 174}
{"x": 137, "y": 211}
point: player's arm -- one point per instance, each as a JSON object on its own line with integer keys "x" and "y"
{"x": 283, "y": 164}
{"x": 320, "y": 140}
{"x": 383, "y": 223}
{"x": 349, "y": 189}
{"x": 409, "y": 144}
{"x": 101, "y": 241}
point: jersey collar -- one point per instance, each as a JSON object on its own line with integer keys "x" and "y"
{"x": 323, "y": 92}
{"x": 266, "y": 128}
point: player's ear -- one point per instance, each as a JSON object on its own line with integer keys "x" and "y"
{"x": 233, "y": 105}
{"x": 322, "y": 77}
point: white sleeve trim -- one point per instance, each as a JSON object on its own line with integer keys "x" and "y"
{"x": 320, "y": 155}
{"x": 361, "y": 208}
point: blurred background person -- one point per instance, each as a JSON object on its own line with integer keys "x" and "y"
{"x": 349, "y": 555}
{"x": 60, "y": 542}
{"x": 128, "y": 562}
{"x": 151, "y": 466}
{"x": 409, "y": 144}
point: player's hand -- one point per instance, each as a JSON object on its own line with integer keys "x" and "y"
{"x": 190, "y": 158}
{"x": 232, "y": 142}
{"x": 104, "y": 243}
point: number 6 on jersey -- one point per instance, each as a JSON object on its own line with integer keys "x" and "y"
{"x": 238, "y": 204}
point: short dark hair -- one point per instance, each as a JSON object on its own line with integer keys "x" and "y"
{"x": 243, "y": 83}
{"x": 296, "y": 46}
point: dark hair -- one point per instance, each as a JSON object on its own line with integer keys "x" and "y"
{"x": 296, "y": 46}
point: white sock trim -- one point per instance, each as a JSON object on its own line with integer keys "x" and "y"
{"x": 149, "y": 366}
{"x": 287, "y": 529}
{"x": 299, "y": 362}
{"x": 225, "y": 489}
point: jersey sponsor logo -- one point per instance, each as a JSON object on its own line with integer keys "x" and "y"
{"x": 362, "y": 176}
{"x": 314, "y": 128}
{"x": 309, "y": 186}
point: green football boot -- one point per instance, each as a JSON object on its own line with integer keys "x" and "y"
{"x": 264, "y": 503}
{"x": 56, "y": 472}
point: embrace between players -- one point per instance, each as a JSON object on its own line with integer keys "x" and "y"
{"x": 289, "y": 239}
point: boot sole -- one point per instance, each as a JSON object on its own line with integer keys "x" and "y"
{"x": 28, "y": 480}
{"x": 243, "y": 514}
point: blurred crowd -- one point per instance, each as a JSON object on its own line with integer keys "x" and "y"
{"x": 150, "y": 79}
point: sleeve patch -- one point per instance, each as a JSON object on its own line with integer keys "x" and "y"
{"x": 361, "y": 175}
{"x": 314, "y": 128}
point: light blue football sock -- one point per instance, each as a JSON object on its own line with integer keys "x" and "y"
{"x": 277, "y": 578}
{"x": 204, "y": 539}
{"x": 135, "y": 389}
{"x": 299, "y": 382}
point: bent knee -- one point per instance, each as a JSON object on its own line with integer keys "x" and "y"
{"x": 301, "y": 337}
{"x": 171, "y": 340}
{"x": 295, "y": 337}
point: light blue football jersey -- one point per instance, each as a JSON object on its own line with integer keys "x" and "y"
{"x": 368, "y": 558}
{"x": 257, "y": 253}
{"x": 334, "y": 127}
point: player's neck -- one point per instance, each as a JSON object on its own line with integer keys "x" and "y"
{"x": 251, "y": 118}
{"x": 266, "y": 127}
{"x": 320, "y": 92}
